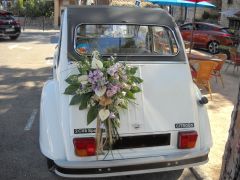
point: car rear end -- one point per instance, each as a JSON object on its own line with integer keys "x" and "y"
{"x": 167, "y": 128}
{"x": 226, "y": 37}
{"x": 8, "y": 26}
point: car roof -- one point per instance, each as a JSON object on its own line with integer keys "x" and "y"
{"x": 208, "y": 24}
{"x": 111, "y": 14}
{"x": 118, "y": 15}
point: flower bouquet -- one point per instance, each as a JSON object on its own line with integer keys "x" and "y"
{"x": 103, "y": 86}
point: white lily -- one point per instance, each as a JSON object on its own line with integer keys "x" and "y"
{"x": 96, "y": 64}
{"x": 104, "y": 114}
{"x": 95, "y": 54}
{"x": 83, "y": 79}
{"x": 101, "y": 91}
{"x": 126, "y": 86}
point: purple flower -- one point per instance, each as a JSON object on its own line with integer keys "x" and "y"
{"x": 112, "y": 115}
{"x": 97, "y": 79}
{"x": 112, "y": 70}
{"x": 113, "y": 89}
{"x": 95, "y": 76}
{"x": 109, "y": 93}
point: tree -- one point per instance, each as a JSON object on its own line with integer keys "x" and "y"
{"x": 33, "y": 8}
{"x": 231, "y": 159}
{"x": 18, "y": 8}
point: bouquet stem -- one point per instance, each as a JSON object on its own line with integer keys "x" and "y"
{"x": 99, "y": 138}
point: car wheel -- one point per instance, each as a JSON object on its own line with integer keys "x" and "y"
{"x": 14, "y": 37}
{"x": 213, "y": 47}
{"x": 50, "y": 165}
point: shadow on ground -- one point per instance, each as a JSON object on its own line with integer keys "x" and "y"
{"x": 38, "y": 37}
{"x": 20, "y": 91}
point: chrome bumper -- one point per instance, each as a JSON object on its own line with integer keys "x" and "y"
{"x": 109, "y": 168}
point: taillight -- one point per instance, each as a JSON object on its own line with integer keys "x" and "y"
{"x": 187, "y": 139}
{"x": 226, "y": 35}
{"x": 84, "y": 146}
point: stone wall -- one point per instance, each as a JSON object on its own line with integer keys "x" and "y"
{"x": 226, "y": 6}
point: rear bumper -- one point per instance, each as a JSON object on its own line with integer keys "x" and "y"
{"x": 15, "y": 32}
{"x": 129, "y": 166}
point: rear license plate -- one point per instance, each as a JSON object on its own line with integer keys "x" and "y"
{"x": 9, "y": 30}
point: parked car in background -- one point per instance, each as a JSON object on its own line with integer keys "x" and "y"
{"x": 168, "y": 129}
{"x": 207, "y": 36}
{"x": 8, "y": 25}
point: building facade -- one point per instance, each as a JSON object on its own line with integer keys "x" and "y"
{"x": 230, "y": 14}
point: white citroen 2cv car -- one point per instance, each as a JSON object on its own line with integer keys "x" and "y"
{"x": 166, "y": 128}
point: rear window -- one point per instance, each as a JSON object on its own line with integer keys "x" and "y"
{"x": 125, "y": 40}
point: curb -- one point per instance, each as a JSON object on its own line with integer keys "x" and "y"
{"x": 199, "y": 174}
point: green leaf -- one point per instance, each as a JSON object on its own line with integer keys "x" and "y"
{"x": 129, "y": 95}
{"x": 117, "y": 114}
{"x": 133, "y": 70}
{"x": 106, "y": 64}
{"x": 92, "y": 114}
{"x": 76, "y": 99}
{"x": 135, "y": 89}
{"x": 84, "y": 100}
{"x": 71, "y": 89}
{"x": 123, "y": 106}
{"x": 137, "y": 80}
{"x": 73, "y": 79}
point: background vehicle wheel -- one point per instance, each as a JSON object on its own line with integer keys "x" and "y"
{"x": 213, "y": 47}
{"x": 50, "y": 165}
{"x": 14, "y": 37}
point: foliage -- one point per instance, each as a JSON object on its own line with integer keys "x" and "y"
{"x": 103, "y": 86}
{"x": 18, "y": 8}
{"x": 33, "y": 8}
{"x": 205, "y": 15}
{"x": 209, "y": 17}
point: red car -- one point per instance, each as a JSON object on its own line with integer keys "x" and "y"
{"x": 207, "y": 36}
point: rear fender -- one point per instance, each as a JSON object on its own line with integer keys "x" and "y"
{"x": 50, "y": 138}
{"x": 204, "y": 124}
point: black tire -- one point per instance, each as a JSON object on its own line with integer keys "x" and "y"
{"x": 50, "y": 165}
{"x": 213, "y": 47}
{"x": 14, "y": 37}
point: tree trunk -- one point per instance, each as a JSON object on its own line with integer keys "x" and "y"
{"x": 231, "y": 159}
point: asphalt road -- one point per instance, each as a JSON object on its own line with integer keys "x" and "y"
{"x": 23, "y": 70}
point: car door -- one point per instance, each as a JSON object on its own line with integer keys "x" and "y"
{"x": 201, "y": 36}
{"x": 186, "y": 31}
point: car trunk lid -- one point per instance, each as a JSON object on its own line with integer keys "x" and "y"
{"x": 166, "y": 105}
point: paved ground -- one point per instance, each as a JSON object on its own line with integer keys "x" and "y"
{"x": 220, "y": 110}
{"x": 23, "y": 69}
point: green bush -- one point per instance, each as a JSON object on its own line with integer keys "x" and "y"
{"x": 33, "y": 8}
{"x": 18, "y": 8}
{"x": 205, "y": 15}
